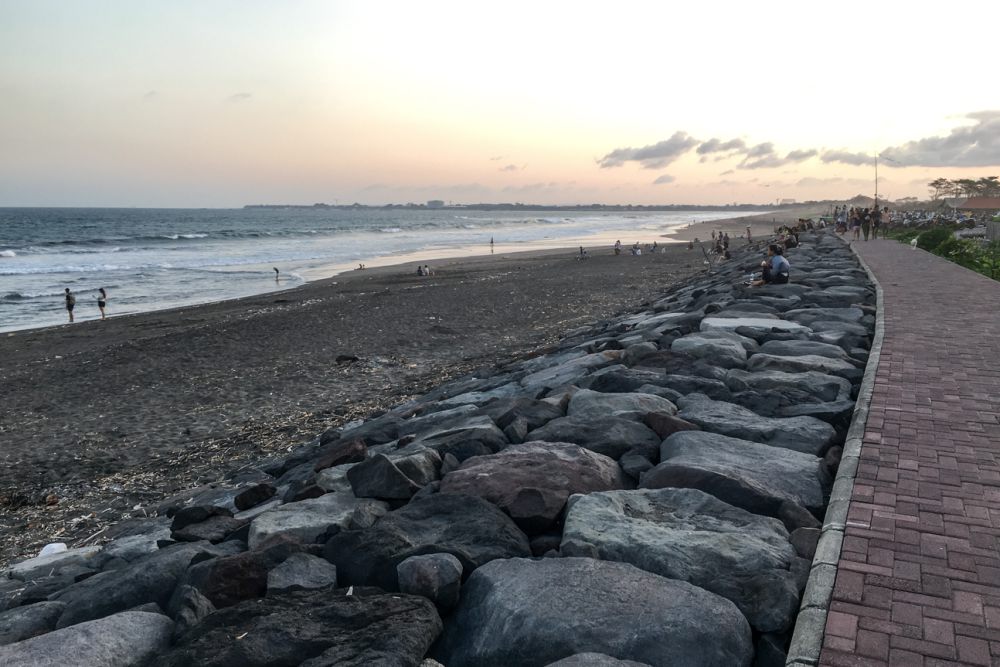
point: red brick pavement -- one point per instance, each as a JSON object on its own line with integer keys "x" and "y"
{"x": 918, "y": 582}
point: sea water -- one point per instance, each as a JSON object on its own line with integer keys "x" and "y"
{"x": 150, "y": 259}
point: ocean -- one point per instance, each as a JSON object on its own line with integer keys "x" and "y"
{"x": 151, "y": 259}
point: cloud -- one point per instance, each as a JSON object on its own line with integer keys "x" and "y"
{"x": 239, "y": 97}
{"x": 664, "y": 179}
{"x": 976, "y": 145}
{"x": 531, "y": 187}
{"x": 512, "y": 167}
{"x": 770, "y": 160}
{"x": 765, "y": 149}
{"x": 654, "y": 156}
{"x": 727, "y": 172}
{"x": 720, "y": 146}
{"x": 847, "y": 157}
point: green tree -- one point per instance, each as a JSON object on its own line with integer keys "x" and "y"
{"x": 939, "y": 186}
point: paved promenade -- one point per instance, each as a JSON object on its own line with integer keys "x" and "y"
{"x": 918, "y": 582}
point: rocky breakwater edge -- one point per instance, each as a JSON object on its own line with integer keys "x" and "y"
{"x": 648, "y": 491}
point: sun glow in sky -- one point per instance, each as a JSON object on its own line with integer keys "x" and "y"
{"x": 183, "y": 103}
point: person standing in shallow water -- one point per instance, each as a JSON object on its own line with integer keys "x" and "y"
{"x": 102, "y": 301}
{"x": 70, "y": 303}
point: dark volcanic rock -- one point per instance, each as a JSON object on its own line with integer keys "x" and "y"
{"x": 25, "y": 622}
{"x": 531, "y": 482}
{"x": 339, "y": 453}
{"x": 315, "y": 628}
{"x": 213, "y": 529}
{"x": 611, "y": 436}
{"x": 151, "y": 578}
{"x": 300, "y": 571}
{"x": 378, "y": 477}
{"x": 666, "y": 425}
{"x": 471, "y": 529}
{"x": 437, "y": 577}
{"x": 756, "y": 477}
{"x": 128, "y": 639}
{"x": 627, "y": 405}
{"x": 536, "y": 413}
{"x": 802, "y": 434}
{"x": 253, "y": 496}
{"x": 689, "y": 535}
{"x": 191, "y": 515}
{"x": 594, "y": 660}
{"x": 534, "y": 612}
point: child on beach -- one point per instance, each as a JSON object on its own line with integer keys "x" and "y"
{"x": 102, "y": 301}
{"x": 70, "y": 303}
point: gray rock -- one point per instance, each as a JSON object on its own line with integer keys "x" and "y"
{"x": 791, "y": 388}
{"x": 533, "y": 612}
{"x": 28, "y": 621}
{"x": 437, "y": 577}
{"x": 308, "y": 519}
{"x": 756, "y": 477}
{"x": 471, "y": 529}
{"x": 802, "y": 434}
{"x": 534, "y": 413}
{"x": 689, "y": 384}
{"x": 436, "y": 421}
{"x": 803, "y": 363}
{"x": 626, "y": 405}
{"x": 334, "y": 479}
{"x": 52, "y": 563}
{"x": 419, "y": 463}
{"x": 478, "y": 435}
{"x": 689, "y": 535}
{"x": 569, "y": 371}
{"x": 722, "y": 348}
{"x": 128, "y": 639}
{"x": 796, "y": 348}
{"x": 531, "y": 482}
{"x": 150, "y": 578}
{"x": 379, "y": 477}
{"x": 610, "y": 436}
{"x": 595, "y": 660}
{"x": 805, "y": 540}
{"x": 188, "y": 607}
{"x": 834, "y": 412}
{"x": 312, "y": 628}
{"x": 763, "y": 323}
{"x": 300, "y": 571}
{"x": 807, "y": 316}
{"x": 634, "y": 353}
{"x": 634, "y": 465}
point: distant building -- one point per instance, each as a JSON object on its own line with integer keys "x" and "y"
{"x": 435, "y": 203}
{"x": 787, "y": 201}
{"x": 977, "y": 204}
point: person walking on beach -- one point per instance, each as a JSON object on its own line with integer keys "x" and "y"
{"x": 275, "y": 274}
{"x": 749, "y": 237}
{"x": 876, "y": 222}
{"x": 70, "y": 303}
{"x": 866, "y": 222}
{"x": 102, "y": 301}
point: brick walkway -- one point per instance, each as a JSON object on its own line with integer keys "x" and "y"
{"x": 918, "y": 582}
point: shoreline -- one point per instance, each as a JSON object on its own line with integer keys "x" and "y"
{"x": 440, "y": 255}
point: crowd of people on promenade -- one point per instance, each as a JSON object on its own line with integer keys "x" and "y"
{"x": 859, "y": 220}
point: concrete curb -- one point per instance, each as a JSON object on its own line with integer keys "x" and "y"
{"x": 807, "y": 639}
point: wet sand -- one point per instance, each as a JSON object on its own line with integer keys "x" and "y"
{"x": 102, "y": 420}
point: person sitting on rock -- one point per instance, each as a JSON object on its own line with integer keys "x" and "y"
{"x": 775, "y": 267}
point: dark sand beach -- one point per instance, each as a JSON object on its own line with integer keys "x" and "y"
{"x": 102, "y": 420}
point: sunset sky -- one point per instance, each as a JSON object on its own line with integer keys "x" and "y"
{"x": 212, "y": 103}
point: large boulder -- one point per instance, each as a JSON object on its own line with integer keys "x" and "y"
{"x": 594, "y": 660}
{"x": 472, "y": 437}
{"x": 150, "y": 578}
{"x": 471, "y": 529}
{"x": 534, "y": 612}
{"x": 803, "y": 363}
{"x": 759, "y": 478}
{"x": 314, "y": 628}
{"x": 531, "y": 482}
{"x": 796, "y": 348}
{"x": 689, "y": 535}
{"x": 534, "y": 413}
{"x": 610, "y": 436}
{"x": 807, "y": 316}
{"x": 52, "y": 563}
{"x": 761, "y": 323}
{"x": 570, "y": 371}
{"x": 627, "y": 405}
{"x": 721, "y": 348}
{"x": 299, "y": 571}
{"x": 437, "y": 577}
{"x": 802, "y": 434}
{"x": 128, "y": 639}
{"x": 308, "y": 519}
{"x": 790, "y": 388}
{"x": 28, "y": 621}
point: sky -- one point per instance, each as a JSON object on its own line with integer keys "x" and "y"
{"x": 223, "y": 103}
